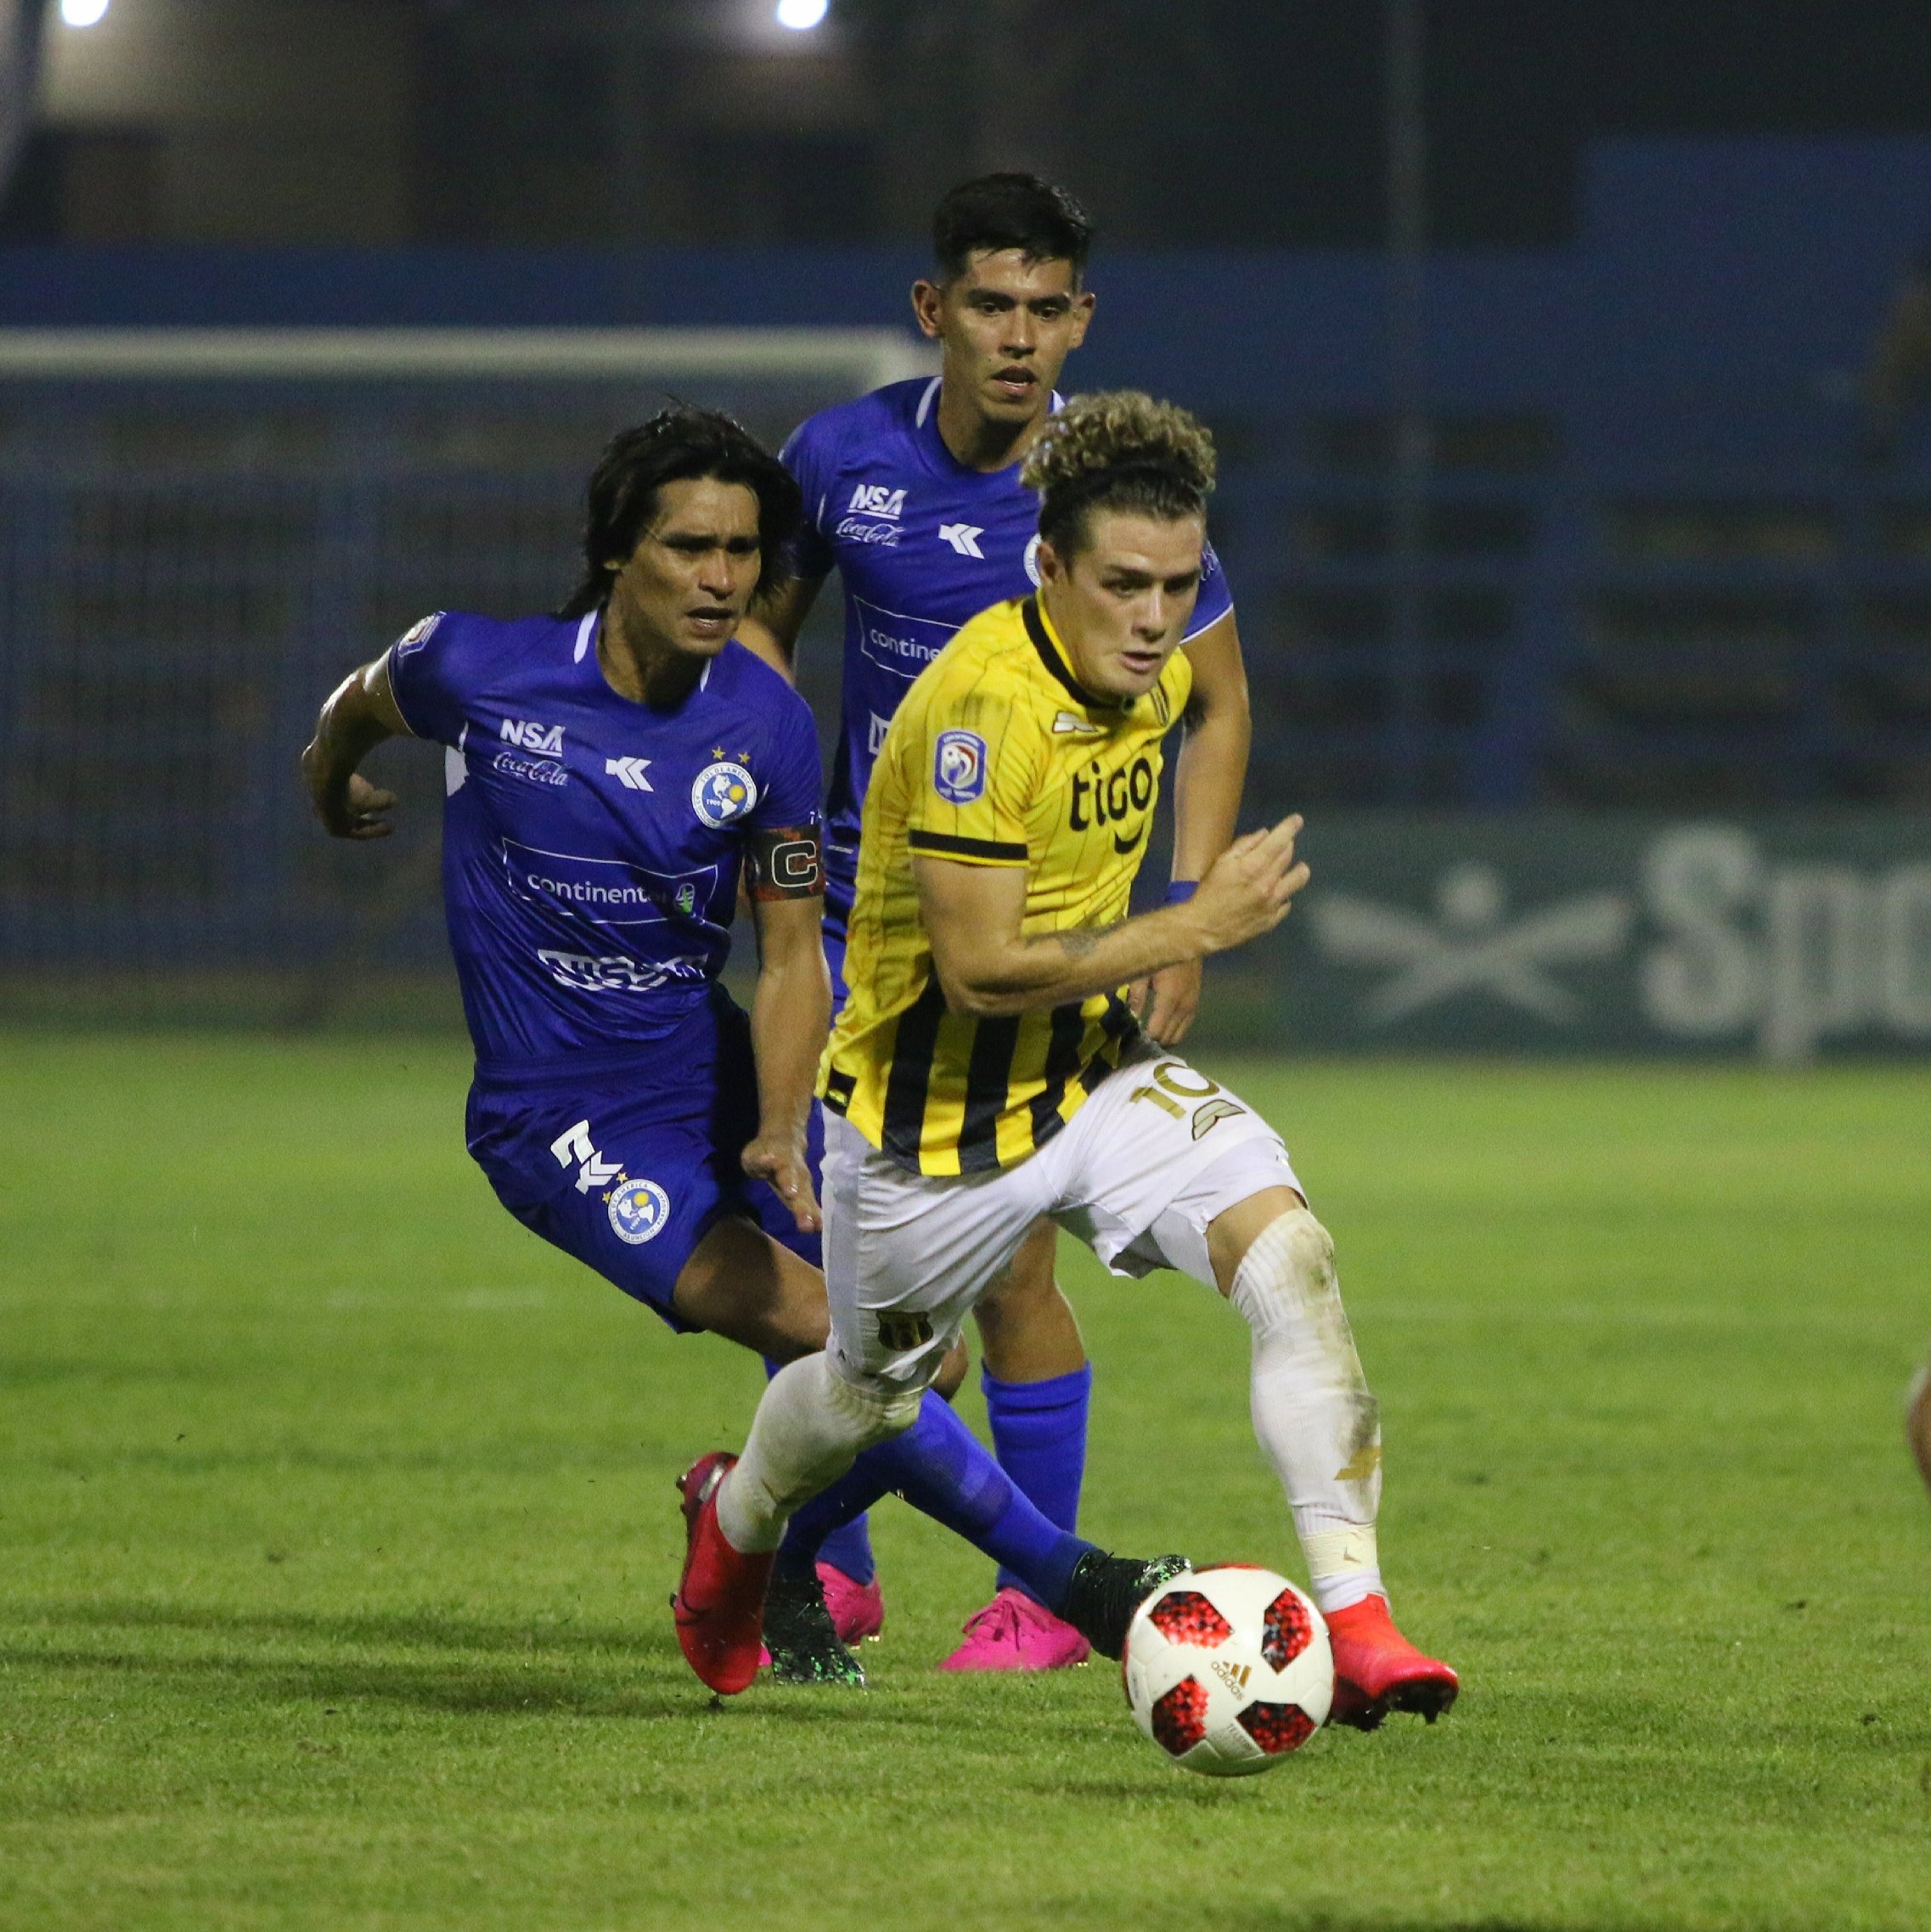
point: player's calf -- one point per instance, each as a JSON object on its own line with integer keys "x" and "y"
{"x": 1918, "y": 1422}
{"x": 1313, "y": 1412}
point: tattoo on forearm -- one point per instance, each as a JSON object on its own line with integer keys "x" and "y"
{"x": 1079, "y": 941}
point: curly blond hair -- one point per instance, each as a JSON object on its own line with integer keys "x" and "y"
{"x": 1122, "y": 449}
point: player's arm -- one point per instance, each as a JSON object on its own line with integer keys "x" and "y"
{"x": 357, "y": 716}
{"x": 770, "y": 628}
{"x": 1208, "y": 778}
{"x": 987, "y": 966}
{"x": 791, "y": 1011}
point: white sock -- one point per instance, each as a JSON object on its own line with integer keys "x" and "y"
{"x": 809, "y": 1428}
{"x": 1312, "y": 1411}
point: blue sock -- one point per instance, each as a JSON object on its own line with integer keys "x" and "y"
{"x": 941, "y": 1468}
{"x": 839, "y": 1536}
{"x": 1040, "y": 1432}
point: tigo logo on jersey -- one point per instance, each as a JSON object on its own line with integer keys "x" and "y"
{"x": 722, "y": 792}
{"x": 959, "y": 767}
{"x": 639, "y": 1210}
{"x": 878, "y": 500}
{"x": 548, "y": 738}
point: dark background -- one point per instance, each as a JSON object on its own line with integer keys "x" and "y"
{"x": 1219, "y": 124}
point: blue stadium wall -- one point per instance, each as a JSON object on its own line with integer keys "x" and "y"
{"x": 1664, "y": 598}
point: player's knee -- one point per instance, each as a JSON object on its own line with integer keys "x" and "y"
{"x": 1287, "y": 1286}
{"x": 872, "y": 1412}
{"x": 1289, "y": 1266}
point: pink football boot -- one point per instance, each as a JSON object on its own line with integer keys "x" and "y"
{"x": 857, "y": 1610}
{"x": 1015, "y": 1633}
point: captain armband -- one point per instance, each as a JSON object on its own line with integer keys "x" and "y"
{"x": 784, "y": 863}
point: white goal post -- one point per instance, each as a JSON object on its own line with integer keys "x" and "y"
{"x": 861, "y": 358}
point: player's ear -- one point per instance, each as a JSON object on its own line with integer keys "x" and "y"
{"x": 928, "y": 300}
{"x": 1052, "y": 566}
{"x": 1084, "y": 303}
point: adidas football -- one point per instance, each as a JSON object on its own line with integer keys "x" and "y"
{"x": 1227, "y": 1669}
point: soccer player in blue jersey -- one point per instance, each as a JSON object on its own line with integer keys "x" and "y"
{"x": 610, "y": 771}
{"x": 913, "y": 493}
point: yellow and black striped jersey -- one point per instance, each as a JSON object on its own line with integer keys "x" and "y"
{"x": 996, "y": 756}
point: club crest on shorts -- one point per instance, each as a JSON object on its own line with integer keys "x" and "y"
{"x": 722, "y": 792}
{"x": 639, "y": 1210}
{"x": 959, "y": 767}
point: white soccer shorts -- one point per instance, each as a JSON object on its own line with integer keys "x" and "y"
{"x": 1156, "y": 1154}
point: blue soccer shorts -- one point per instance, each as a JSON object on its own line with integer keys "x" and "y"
{"x": 628, "y": 1176}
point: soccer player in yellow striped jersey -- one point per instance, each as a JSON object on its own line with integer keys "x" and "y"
{"x": 999, "y": 757}
{"x": 986, "y": 1071}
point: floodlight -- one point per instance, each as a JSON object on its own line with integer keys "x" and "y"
{"x": 83, "y": 13}
{"x": 801, "y": 16}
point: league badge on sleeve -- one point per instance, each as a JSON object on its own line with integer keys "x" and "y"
{"x": 639, "y": 1210}
{"x": 959, "y": 767}
{"x": 723, "y": 792}
{"x": 418, "y": 634}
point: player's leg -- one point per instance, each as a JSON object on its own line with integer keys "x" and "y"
{"x": 636, "y": 1186}
{"x": 844, "y": 1561}
{"x": 1037, "y": 1385}
{"x": 741, "y": 1280}
{"x": 868, "y": 1394}
{"x": 1184, "y": 1175}
{"x": 1918, "y": 1422}
{"x": 832, "y": 1543}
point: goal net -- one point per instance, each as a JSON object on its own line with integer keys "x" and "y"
{"x": 199, "y": 531}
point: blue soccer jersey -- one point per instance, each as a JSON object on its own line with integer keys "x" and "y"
{"x": 921, "y": 544}
{"x": 592, "y": 846}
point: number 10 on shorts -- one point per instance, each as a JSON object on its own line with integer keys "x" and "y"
{"x": 1177, "y": 1087}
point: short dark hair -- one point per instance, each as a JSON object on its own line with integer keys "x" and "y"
{"x": 1044, "y": 223}
{"x": 1118, "y": 449}
{"x": 674, "y": 446}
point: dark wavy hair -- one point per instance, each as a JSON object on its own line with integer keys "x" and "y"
{"x": 675, "y": 445}
{"x": 1044, "y": 223}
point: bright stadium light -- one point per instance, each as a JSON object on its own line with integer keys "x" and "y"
{"x": 801, "y": 16}
{"x": 83, "y": 13}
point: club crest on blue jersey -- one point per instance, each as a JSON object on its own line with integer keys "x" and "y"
{"x": 959, "y": 767}
{"x": 723, "y": 792}
{"x": 639, "y": 1210}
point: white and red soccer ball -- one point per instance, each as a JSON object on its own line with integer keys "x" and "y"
{"x": 1228, "y": 1669}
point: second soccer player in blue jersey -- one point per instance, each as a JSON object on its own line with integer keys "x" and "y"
{"x": 912, "y": 494}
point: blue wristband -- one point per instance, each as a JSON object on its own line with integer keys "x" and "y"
{"x": 1181, "y": 892}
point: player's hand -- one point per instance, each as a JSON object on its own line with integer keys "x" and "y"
{"x": 1165, "y": 1002}
{"x": 1246, "y": 888}
{"x": 780, "y": 1158}
{"x": 353, "y": 810}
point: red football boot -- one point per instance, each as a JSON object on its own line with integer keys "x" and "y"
{"x": 719, "y": 1604}
{"x": 1377, "y": 1670}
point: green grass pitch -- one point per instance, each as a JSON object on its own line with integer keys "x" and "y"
{"x": 336, "y": 1527}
